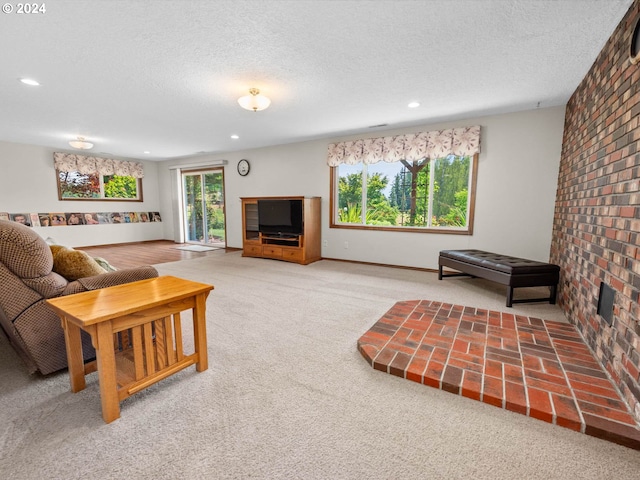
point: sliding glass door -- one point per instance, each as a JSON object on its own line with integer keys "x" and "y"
{"x": 203, "y": 207}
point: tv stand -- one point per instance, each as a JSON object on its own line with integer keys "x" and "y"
{"x": 302, "y": 249}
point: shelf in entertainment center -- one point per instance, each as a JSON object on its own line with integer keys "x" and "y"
{"x": 293, "y": 241}
{"x": 303, "y": 249}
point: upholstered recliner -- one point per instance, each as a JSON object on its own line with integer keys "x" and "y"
{"x": 27, "y": 279}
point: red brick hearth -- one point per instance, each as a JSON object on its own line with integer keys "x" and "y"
{"x": 535, "y": 367}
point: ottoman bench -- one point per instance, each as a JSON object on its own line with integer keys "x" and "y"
{"x": 510, "y": 271}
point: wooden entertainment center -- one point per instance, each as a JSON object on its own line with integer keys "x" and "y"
{"x": 302, "y": 249}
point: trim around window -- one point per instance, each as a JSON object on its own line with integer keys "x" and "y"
{"x": 470, "y": 213}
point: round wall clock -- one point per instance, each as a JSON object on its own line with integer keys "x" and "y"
{"x": 243, "y": 167}
{"x": 634, "y": 44}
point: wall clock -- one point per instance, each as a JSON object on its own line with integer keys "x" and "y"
{"x": 634, "y": 44}
{"x": 243, "y": 167}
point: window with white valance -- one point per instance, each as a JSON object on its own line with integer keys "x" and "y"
{"x": 95, "y": 178}
{"x": 420, "y": 181}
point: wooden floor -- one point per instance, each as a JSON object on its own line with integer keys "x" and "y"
{"x": 129, "y": 255}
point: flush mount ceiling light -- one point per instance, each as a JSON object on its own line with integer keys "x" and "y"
{"x": 81, "y": 144}
{"x": 30, "y": 81}
{"x": 254, "y": 101}
{"x": 414, "y": 105}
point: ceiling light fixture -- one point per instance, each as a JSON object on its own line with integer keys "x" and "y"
{"x": 235, "y": 137}
{"x": 81, "y": 144}
{"x": 254, "y": 101}
{"x": 413, "y": 105}
{"x": 30, "y": 81}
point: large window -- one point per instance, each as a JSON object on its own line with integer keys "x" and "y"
{"x": 414, "y": 182}
{"x": 96, "y": 178}
{"x": 424, "y": 195}
{"x": 78, "y": 186}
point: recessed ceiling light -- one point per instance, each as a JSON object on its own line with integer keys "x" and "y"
{"x": 147, "y": 152}
{"x": 30, "y": 81}
{"x": 235, "y": 137}
{"x": 413, "y": 105}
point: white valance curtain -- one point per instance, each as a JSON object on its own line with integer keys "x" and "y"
{"x": 70, "y": 162}
{"x": 413, "y": 146}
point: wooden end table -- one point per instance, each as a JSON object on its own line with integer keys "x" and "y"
{"x": 136, "y": 331}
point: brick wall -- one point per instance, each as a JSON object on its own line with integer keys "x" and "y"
{"x": 596, "y": 231}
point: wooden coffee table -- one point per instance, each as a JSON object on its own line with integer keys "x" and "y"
{"x": 136, "y": 331}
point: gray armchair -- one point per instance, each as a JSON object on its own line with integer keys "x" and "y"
{"x": 27, "y": 279}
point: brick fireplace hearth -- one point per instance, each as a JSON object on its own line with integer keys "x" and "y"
{"x": 527, "y": 365}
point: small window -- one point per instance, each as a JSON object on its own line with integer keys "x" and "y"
{"x": 428, "y": 195}
{"x": 78, "y": 186}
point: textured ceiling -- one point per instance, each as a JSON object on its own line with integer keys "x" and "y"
{"x": 164, "y": 76}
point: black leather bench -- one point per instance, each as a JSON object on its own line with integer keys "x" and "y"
{"x": 510, "y": 271}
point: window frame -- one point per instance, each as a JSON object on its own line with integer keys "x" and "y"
{"x": 101, "y": 198}
{"x": 333, "y": 216}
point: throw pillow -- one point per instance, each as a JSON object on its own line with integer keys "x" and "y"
{"x": 74, "y": 264}
{"x": 55, "y": 248}
{"x": 104, "y": 264}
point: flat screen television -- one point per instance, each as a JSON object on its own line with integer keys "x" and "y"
{"x": 280, "y": 217}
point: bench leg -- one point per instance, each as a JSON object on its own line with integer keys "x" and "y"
{"x": 440, "y": 272}
{"x": 509, "y": 296}
{"x": 553, "y": 290}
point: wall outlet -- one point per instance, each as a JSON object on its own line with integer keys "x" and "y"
{"x": 325, "y": 243}
{"x": 346, "y": 244}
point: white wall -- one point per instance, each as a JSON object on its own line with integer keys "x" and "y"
{"x": 28, "y": 185}
{"x": 517, "y": 179}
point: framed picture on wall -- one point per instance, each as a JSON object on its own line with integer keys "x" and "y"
{"x": 45, "y": 220}
{"x": 58, "y": 219}
{"x": 23, "y": 218}
{"x": 91, "y": 218}
{"x": 74, "y": 219}
{"x": 103, "y": 217}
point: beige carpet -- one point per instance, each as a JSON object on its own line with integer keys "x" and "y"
{"x": 288, "y": 396}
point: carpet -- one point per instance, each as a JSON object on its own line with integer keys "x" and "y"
{"x": 288, "y": 396}
{"x": 196, "y": 248}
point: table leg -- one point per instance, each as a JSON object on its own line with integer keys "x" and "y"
{"x": 200, "y": 332}
{"x": 75, "y": 359}
{"x": 105, "y": 356}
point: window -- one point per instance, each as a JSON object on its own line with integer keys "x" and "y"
{"x": 95, "y": 178}
{"x": 416, "y": 182}
{"x": 93, "y": 186}
{"x": 424, "y": 195}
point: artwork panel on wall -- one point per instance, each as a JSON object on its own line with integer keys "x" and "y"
{"x": 52, "y": 219}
